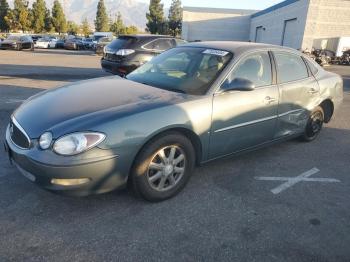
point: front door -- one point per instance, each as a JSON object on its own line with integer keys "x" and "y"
{"x": 244, "y": 119}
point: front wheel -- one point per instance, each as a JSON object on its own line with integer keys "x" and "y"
{"x": 314, "y": 125}
{"x": 163, "y": 167}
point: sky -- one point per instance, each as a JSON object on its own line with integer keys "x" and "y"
{"x": 233, "y": 4}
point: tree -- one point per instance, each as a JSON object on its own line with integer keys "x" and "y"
{"x": 118, "y": 27}
{"x": 72, "y": 28}
{"x": 22, "y": 15}
{"x": 155, "y": 17}
{"x": 39, "y": 14}
{"x": 131, "y": 30}
{"x": 85, "y": 27}
{"x": 175, "y": 18}
{"x": 12, "y": 21}
{"x": 4, "y": 9}
{"x": 58, "y": 18}
{"x": 48, "y": 21}
{"x": 101, "y": 22}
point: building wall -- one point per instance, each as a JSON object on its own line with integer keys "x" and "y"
{"x": 294, "y": 23}
{"x": 215, "y": 24}
{"x": 273, "y": 20}
{"x": 326, "y": 19}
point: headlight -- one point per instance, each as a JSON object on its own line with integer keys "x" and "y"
{"x": 45, "y": 140}
{"x": 76, "y": 143}
{"x": 125, "y": 52}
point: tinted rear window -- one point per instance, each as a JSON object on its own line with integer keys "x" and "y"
{"x": 290, "y": 67}
{"x": 122, "y": 42}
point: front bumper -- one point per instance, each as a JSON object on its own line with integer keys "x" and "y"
{"x": 118, "y": 68}
{"x": 99, "y": 166}
{"x": 8, "y": 47}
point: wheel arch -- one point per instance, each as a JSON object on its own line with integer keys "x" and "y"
{"x": 328, "y": 109}
{"x": 186, "y": 132}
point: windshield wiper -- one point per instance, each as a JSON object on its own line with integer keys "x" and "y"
{"x": 175, "y": 90}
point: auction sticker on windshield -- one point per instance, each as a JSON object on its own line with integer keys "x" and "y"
{"x": 215, "y": 52}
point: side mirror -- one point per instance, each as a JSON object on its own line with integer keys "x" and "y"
{"x": 239, "y": 84}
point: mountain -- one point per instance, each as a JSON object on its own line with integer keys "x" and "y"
{"x": 132, "y": 11}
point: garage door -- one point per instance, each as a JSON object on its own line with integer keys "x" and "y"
{"x": 289, "y": 33}
{"x": 258, "y": 34}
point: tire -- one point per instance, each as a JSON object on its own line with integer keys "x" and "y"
{"x": 314, "y": 125}
{"x": 167, "y": 175}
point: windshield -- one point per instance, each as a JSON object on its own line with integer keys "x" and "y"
{"x": 122, "y": 42}
{"x": 13, "y": 37}
{"x": 98, "y": 37}
{"x": 189, "y": 70}
{"x": 104, "y": 40}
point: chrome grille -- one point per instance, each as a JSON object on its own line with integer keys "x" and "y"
{"x": 18, "y": 135}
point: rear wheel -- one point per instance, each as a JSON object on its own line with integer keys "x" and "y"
{"x": 163, "y": 167}
{"x": 314, "y": 125}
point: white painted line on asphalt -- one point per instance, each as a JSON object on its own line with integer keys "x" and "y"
{"x": 291, "y": 181}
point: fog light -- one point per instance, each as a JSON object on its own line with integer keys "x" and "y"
{"x": 69, "y": 182}
{"x": 45, "y": 140}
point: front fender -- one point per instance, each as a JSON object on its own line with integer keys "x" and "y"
{"x": 136, "y": 130}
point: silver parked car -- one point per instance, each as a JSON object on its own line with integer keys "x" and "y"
{"x": 187, "y": 106}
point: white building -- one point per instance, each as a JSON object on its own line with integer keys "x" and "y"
{"x": 214, "y": 23}
{"x": 293, "y": 23}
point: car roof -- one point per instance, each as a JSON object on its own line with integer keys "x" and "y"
{"x": 236, "y": 46}
{"x": 145, "y": 36}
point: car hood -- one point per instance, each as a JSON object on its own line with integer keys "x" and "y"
{"x": 83, "y": 105}
{"x": 6, "y": 41}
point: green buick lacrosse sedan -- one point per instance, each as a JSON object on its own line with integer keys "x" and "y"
{"x": 187, "y": 106}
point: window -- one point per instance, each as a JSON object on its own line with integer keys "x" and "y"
{"x": 122, "y": 42}
{"x": 160, "y": 44}
{"x": 290, "y": 67}
{"x": 312, "y": 66}
{"x": 183, "y": 69}
{"x": 256, "y": 68}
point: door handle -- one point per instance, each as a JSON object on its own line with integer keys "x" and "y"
{"x": 312, "y": 91}
{"x": 270, "y": 100}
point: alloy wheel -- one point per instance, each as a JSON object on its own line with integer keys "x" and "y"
{"x": 166, "y": 168}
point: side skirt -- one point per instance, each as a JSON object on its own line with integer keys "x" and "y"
{"x": 253, "y": 148}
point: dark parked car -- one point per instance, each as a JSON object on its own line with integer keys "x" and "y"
{"x": 126, "y": 53}
{"x": 189, "y": 105}
{"x": 60, "y": 43}
{"x": 74, "y": 44}
{"x": 101, "y": 43}
{"x": 17, "y": 42}
{"x": 36, "y": 38}
{"x": 88, "y": 43}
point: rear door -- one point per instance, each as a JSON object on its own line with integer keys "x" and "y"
{"x": 298, "y": 93}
